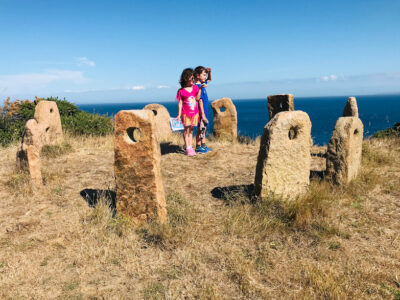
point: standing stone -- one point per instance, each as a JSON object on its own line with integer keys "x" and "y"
{"x": 28, "y": 153}
{"x": 140, "y": 192}
{"x": 283, "y": 165}
{"x": 343, "y": 158}
{"x": 161, "y": 119}
{"x": 278, "y": 103}
{"x": 225, "y": 118}
{"x": 46, "y": 112}
{"x": 351, "y": 108}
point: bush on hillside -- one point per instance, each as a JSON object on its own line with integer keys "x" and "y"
{"x": 388, "y": 132}
{"x": 14, "y": 115}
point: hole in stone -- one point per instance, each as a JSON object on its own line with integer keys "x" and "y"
{"x": 51, "y": 110}
{"x": 356, "y": 131}
{"x": 134, "y": 133}
{"x": 280, "y": 105}
{"x": 222, "y": 109}
{"x": 293, "y": 131}
{"x": 154, "y": 112}
{"x": 47, "y": 129}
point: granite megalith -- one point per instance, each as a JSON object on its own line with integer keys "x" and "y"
{"x": 351, "y": 108}
{"x": 28, "y": 153}
{"x": 161, "y": 119}
{"x": 225, "y": 119}
{"x": 46, "y": 112}
{"x": 343, "y": 158}
{"x": 140, "y": 191}
{"x": 283, "y": 165}
{"x": 278, "y": 103}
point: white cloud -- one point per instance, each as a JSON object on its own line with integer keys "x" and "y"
{"x": 137, "y": 87}
{"x": 163, "y": 87}
{"x": 84, "y": 61}
{"x": 329, "y": 78}
{"x": 37, "y": 81}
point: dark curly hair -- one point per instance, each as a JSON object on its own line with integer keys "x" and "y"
{"x": 198, "y": 70}
{"x": 186, "y": 74}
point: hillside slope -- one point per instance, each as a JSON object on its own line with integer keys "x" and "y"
{"x": 333, "y": 243}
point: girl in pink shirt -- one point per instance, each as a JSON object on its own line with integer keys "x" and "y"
{"x": 188, "y": 96}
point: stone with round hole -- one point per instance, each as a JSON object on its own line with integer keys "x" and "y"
{"x": 283, "y": 165}
{"x": 343, "y": 158}
{"x": 225, "y": 119}
{"x": 140, "y": 191}
{"x": 46, "y": 113}
{"x": 278, "y": 103}
{"x": 161, "y": 119}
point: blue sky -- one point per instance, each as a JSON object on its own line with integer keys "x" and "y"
{"x": 117, "y": 51}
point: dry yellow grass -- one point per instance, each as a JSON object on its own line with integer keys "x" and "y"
{"x": 333, "y": 243}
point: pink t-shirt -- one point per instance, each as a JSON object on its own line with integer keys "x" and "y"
{"x": 190, "y": 106}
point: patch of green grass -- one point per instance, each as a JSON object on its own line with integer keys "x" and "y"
{"x": 333, "y": 245}
{"x": 395, "y": 292}
{"x": 154, "y": 291}
{"x": 53, "y": 151}
{"x": 70, "y": 286}
{"x": 173, "y": 233}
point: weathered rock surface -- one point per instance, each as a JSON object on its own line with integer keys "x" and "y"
{"x": 140, "y": 191}
{"x": 283, "y": 165}
{"x": 343, "y": 159}
{"x": 351, "y": 108}
{"x": 225, "y": 118}
{"x": 28, "y": 153}
{"x": 278, "y": 103}
{"x": 161, "y": 119}
{"x": 46, "y": 113}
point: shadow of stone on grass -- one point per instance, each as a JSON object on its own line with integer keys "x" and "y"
{"x": 233, "y": 193}
{"x": 93, "y": 196}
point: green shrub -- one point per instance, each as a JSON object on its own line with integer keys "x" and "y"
{"x": 388, "y": 132}
{"x": 14, "y": 115}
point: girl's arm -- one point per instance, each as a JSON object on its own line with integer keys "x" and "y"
{"x": 209, "y": 74}
{"x": 198, "y": 94}
{"x": 179, "y": 110}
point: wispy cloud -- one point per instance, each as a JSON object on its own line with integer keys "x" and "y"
{"x": 137, "y": 87}
{"x": 163, "y": 87}
{"x": 36, "y": 81}
{"x": 329, "y": 78}
{"x": 84, "y": 61}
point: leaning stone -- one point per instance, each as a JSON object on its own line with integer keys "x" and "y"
{"x": 283, "y": 165}
{"x": 225, "y": 119}
{"x": 278, "y": 103}
{"x": 351, "y": 108}
{"x": 46, "y": 112}
{"x": 28, "y": 153}
{"x": 161, "y": 119}
{"x": 343, "y": 158}
{"x": 140, "y": 192}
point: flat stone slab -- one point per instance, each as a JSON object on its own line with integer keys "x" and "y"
{"x": 161, "y": 119}
{"x": 343, "y": 158}
{"x": 283, "y": 165}
{"x": 225, "y": 119}
{"x": 278, "y": 103}
{"x": 140, "y": 191}
{"x": 351, "y": 108}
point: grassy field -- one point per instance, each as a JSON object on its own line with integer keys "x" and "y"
{"x": 333, "y": 243}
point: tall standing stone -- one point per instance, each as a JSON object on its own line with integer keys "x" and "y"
{"x": 283, "y": 165}
{"x": 161, "y": 119}
{"x": 140, "y": 192}
{"x": 28, "y": 153}
{"x": 351, "y": 108}
{"x": 225, "y": 118}
{"x": 343, "y": 158}
{"x": 278, "y": 103}
{"x": 46, "y": 113}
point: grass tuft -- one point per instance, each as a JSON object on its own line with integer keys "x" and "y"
{"x": 53, "y": 151}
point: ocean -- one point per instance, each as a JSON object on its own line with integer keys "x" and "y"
{"x": 376, "y": 112}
